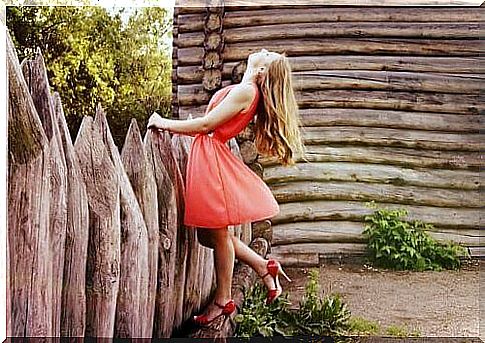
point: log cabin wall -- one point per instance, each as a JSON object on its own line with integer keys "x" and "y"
{"x": 389, "y": 100}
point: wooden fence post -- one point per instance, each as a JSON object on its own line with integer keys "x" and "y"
{"x": 103, "y": 263}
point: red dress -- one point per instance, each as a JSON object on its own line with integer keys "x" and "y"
{"x": 220, "y": 189}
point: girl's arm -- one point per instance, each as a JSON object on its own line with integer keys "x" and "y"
{"x": 238, "y": 99}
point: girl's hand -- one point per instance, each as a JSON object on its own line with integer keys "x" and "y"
{"x": 158, "y": 122}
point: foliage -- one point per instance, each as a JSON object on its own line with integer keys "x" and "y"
{"x": 400, "y": 331}
{"x": 92, "y": 56}
{"x": 327, "y": 316}
{"x": 363, "y": 327}
{"x": 398, "y": 244}
{"x": 315, "y": 316}
{"x": 258, "y": 319}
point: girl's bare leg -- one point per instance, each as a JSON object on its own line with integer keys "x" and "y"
{"x": 248, "y": 256}
{"x": 224, "y": 263}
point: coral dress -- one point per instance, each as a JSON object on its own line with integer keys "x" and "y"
{"x": 221, "y": 189}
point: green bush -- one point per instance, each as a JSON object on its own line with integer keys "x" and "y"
{"x": 326, "y": 316}
{"x": 402, "y": 245}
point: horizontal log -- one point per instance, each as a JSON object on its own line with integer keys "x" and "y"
{"x": 193, "y": 73}
{"x": 314, "y": 46}
{"x": 395, "y": 100}
{"x": 477, "y": 252}
{"x": 418, "y": 139}
{"x": 389, "y": 155}
{"x": 391, "y": 119}
{"x": 190, "y": 95}
{"x": 351, "y": 232}
{"x": 373, "y": 173}
{"x": 322, "y": 249}
{"x": 300, "y": 260}
{"x": 249, "y": 4}
{"x": 443, "y": 30}
{"x": 412, "y": 195}
{"x": 443, "y": 217}
{"x": 386, "y": 80}
{"x": 301, "y": 14}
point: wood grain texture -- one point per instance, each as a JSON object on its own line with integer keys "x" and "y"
{"x": 104, "y": 247}
{"x": 142, "y": 180}
{"x": 372, "y": 173}
{"x": 407, "y": 157}
{"x": 330, "y": 231}
{"x": 35, "y": 74}
{"x": 73, "y": 309}
{"x": 279, "y": 30}
{"x": 251, "y": 16}
{"x": 131, "y": 305}
{"x": 165, "y": 306}
{"x": 410, "y": 195}
{"x": 320, "y": 210}
{"x": 28, "y": 210}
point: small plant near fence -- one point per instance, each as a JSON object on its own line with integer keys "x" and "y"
{"x": 327, "y": 316}
{"x": 397, "y": 244}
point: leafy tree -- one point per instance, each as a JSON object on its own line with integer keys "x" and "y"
{"x": 93, "y": 56}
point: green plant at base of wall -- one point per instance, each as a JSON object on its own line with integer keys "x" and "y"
{"x": 397, "y": 244}
{"x": 327, "y": 316}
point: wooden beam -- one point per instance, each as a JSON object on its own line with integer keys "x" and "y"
{"x": 355, "y": 191}
{"x": 406, "y": 157}
{"x": 373, "y": 173}
{"x": 319, "y": 210}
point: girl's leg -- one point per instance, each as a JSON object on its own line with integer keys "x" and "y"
{"x": 248, "y": 256}
{"x": 224, "y": 263}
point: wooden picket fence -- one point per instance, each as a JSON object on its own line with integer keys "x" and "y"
{"x": 96, "y": 241}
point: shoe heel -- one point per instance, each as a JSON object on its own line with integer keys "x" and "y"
{"x": 284, "y": 274}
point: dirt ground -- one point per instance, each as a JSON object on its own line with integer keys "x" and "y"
{"x": 438, "y": 304}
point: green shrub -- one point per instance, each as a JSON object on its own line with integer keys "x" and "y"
{"x": 315, "y": 316}
{"x": 258, "y": 319}
{"x": 327, "y": 316}
{"x": 398, "y": 244}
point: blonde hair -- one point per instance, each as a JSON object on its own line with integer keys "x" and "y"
{"x": 278, "y": 124}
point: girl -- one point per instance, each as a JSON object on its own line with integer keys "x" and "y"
{"x": 222, "y": 190}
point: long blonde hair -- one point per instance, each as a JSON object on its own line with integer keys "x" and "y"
{"x": 278, "y": 124}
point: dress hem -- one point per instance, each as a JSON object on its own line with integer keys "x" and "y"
{"x": 252, "y": 220}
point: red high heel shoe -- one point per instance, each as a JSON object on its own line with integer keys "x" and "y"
{"x": 274, "y": 269}
{"x": 227, "y": 309}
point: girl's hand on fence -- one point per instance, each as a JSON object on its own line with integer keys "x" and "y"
{"x": 157, "y": 122}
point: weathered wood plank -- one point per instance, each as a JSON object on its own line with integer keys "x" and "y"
{"x": 35, "y": 74}
{"x": 104, "y": 251}
{"x": 168, "y": 155}
{"x": 314, "y": 46}
{"x": 73, "y": 309}
{"x": 28, "y": 209}
{"x": 194, "y": 95}
{"x": 351, "y": 232}
{"x": 443, "y": 217}
{"x": 461, "y": 65}
{"x": 168, "y": 225}
{"x": 372, "y": 173}
{"x": 392, "y": 119}
{"x": 386, "y": 80}
{"x": 192, "y": 287}
{"x": 389, "y": 155}
{"x": 320, "y": 249}
{"x": 140, "y": 174}
{"x": 259, "y": 4}
{"x": 302, "y": 14}
{"x": 392, "y": 137}
{"x": 411, "y": 195}
{"x": 394, "y": 29}
{"x": 131, "y": 306}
